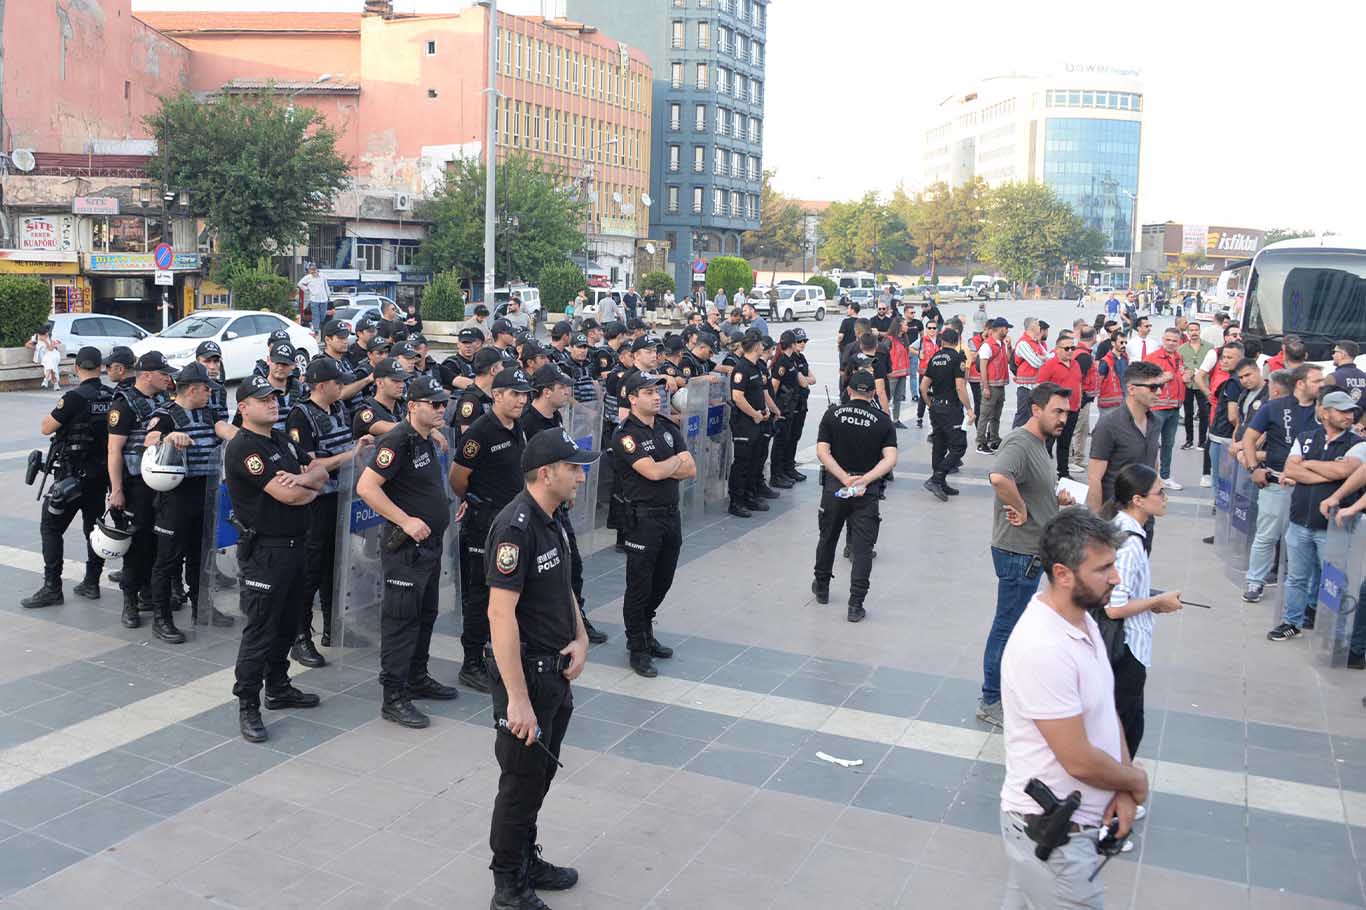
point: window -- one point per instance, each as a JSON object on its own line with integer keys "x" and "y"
{"x": 675, "y": 75}
{"x": 722, "y": 118}
{"x": 737, "y": 125}
{"x": 699, "y": 159}
{"x": 723, "y": 39}
{"x": 700, "y": 117}
{"x": 754, "y": 129}
{"x": 677, "y": 33}
{"x": 369, "y": 256}
{"x": 718, "y": 159}
{"x": 678, "y": 4}
{"x": 704, "y": 34}
{"x": 718, "y": 201}
{"x": 735, "y": 159}
{"x": 697, "y": 200}
{"x": 722, "y": 80}
{"x": 756, "y": 53}
{"x": 671, "y": 199}
{"x": 753, "y": 172}
{"x": 740, "y": 47}
{"x": 431, "y": 93}
{"x": 701, "y": 75}
{"x": 431, "y": 48}
{"x": 675, "y": 115}
{"x": 673, "y": 159}
{"x": 756, "y": 92}
{"x": 734, "y": 204}
{"x": 761, "y": 15}
{"x": 405, "y": 256}
{"x": 740, "y": 86}
{"x": 119, "y": 234}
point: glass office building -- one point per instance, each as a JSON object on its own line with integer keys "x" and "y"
{"x": 1093, "y": 165}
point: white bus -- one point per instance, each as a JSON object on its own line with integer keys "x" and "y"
{"x": 1314, "y": 287}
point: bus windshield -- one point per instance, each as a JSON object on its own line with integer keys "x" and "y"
{"x": 1316, "y": 293}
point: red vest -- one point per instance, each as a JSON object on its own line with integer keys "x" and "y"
{"x": 1217, "y": 377}
{"x": 1174, "y": 392}
{"x": 1110, "y": 393}
{"x": 998, "y": 367}
{"x": 1026, "y": 374}
{"x": 1090, "y": 384}
{"x": 928, "y": 349}
{"x": 974, "y": 349}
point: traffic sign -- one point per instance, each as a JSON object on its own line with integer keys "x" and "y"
{"x": 163, "y": 256}
{"x": 165, "y": 278}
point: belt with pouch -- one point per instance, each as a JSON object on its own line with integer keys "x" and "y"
{"x": 653, "y": 510}
{"x": 533, "y": 663}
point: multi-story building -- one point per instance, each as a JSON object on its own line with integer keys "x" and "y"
{"x": 707, "y": 144}
{"x": 1077, "y": 129}
{"x": 1194, "y": 253}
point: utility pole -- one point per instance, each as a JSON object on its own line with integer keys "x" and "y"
{"x": 490, "y": 148}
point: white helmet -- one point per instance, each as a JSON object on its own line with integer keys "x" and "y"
{"x": 112, "y": 535}
{"x": 163, "y": 467}
{"x": 680, "y": 401}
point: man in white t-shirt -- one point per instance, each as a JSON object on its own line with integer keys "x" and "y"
{"x": 1060, "y": 720}
{"x": 316, "y": 294}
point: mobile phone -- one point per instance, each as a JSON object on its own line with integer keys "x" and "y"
{"x": 1035, "y": 567}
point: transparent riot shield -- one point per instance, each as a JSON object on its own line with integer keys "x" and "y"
{"x": 1223, "y": 507}
{"x": 584, "y": 422}
{"x": 1339, "y": 631}
{"x": 1242, "y": 519}
{"x": 693, "y": 402}
{"x": 219, "y": 598}
{"x": 715, "y": 493}
{"x": 451, "y": 620}
{"x": 358, "y": 578}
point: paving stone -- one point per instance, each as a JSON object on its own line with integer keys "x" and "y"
{"x": 174, "y": 744}
{"x": 234, "y": 761}
{"x": 170, "y": 791}
{"x": 27, "y": 858}
{"x": 739, "y": 765}
{"x": 658, "y": 748}
{"x": 109, "y": 771}
{"x": 33, "y": 803}
{"x": 97, "y": 825}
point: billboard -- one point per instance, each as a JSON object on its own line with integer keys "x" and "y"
{"x": 1194, "y": 237}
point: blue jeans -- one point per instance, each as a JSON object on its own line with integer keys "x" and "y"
{"x": 1013, "y": 592}
{"x": 1273, "y": 513}
{"x": 1303, "y": 564}
{"x": 318, "y": 309}
{"x": 1216, "y": 455}
{"x": 1170, "y": 420}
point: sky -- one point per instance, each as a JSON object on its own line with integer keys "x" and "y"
{"x": 1252, "y": 113}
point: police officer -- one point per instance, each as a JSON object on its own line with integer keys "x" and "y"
{"x": 210, "y": 355}
{"x": 119, "y": 366}
{"x": 653, "y": 459}
{"x": 376, "y": 350}
{"x": 426, "y": 365}
{"x": 580, "y": 369}
{"x": 457, "y": 371}
{"x": 283, "y": 376}
{"x": 613, "y": 411}
{"x": 504, "y": 340}
{"x": 384, "y": 409}
{"x": 336, "y": 340}
{"x": 403, "y": 485}
{"x": 697, "y": 361}
{"x": 561, "y": 337}
{"x": 477, "y": 398}
{"x": 190, "y": 425}
{"x": 784, "y": 383}
{"x": 318, "y": 426}
{"x": 262, "y": 367}
{"x": 358, "y": 354}
{"x": 856, "y": 445}
{"x": 270, "y": 484}
{"x": 538, "y": 646}
{"x": 80, "y": 477}
{"x": 749, "y": 412}
{"x": 945, "y": 387}
{"x": 804, "y": 383}
{"x": 129, "y": 417}
{"x": 484, "y": 473}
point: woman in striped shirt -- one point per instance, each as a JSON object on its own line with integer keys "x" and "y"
{"x": 1139, "y": 498}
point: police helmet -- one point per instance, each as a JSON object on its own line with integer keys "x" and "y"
{"x": 112, "y": 535}
{"x": 64, "y": 493}
{"x": 163, "y": 467}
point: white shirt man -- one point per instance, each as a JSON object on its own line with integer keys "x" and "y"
{"x": 1141, "y": 342}
{"x": 317, "y": 293}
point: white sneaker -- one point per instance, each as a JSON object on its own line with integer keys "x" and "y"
{"x": 1205, "y": 481}
{"x": 1172, "y": 485}
{"x": 1140, "y": 813}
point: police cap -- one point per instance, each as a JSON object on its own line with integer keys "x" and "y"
{"x": 549, "y": 375}
{"x": 484, "y": 359}
{"x": 427, "y": 388}
{"x": 322, "y": 369}
{"x": 551, "y": 446}
{"x": 513, "y": 379}
{"x": 88, "y": 358}
{"x": 390, "y": 368}
{"x": 282, "y": 352}
{"x": 208, "y": 349}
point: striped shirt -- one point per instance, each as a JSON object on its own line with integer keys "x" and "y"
{"x": 1135, "y": 583}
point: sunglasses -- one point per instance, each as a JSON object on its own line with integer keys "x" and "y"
{"x": 1150, "y": 386}
{"x": 1067, "y": 347}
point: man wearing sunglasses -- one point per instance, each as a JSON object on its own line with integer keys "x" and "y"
{"x": 1125, "y": 435}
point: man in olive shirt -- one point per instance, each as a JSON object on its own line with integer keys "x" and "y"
{"x": 1192, "y": 353}
{"x": 1024, "y": 478}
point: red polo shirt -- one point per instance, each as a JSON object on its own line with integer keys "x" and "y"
{"x": 1069, "y": 377}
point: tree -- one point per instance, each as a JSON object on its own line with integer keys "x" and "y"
{"x": 24, "y": 306}
{"x": 864, "y": 235}
{"x": 1184, "y": 264}
{"x": 729, "y": 272}
{"x": 1026, "y": 230}
{"x": 1277, "y": 234}
{"x": 831, "y": 291}
{"x": 255, "y": 285}
{"x": 944, "y": 224}
{"x": 442, "y": 300}
{"x": 559, "y": 283}
{"x": 1085, "y": 246}
{"x": 549, "y": 226}
{"x": 659, "y": 282}
{"x": 781, "y": 226}
{"x": 256, "y": 170}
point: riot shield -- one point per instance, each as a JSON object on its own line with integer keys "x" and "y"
{"x": 584, "y": 422}
{"x": 358, "y": 578}
{"x": 448, "y": 592}
{"x": 694, "y": 400}
{"x": 1339, "y": 632}
{"x": 716, "y": 493}
{"x": 1223, "y": 506}
{"x": 1242, "y": 519}
{"x": 218, "y": 574}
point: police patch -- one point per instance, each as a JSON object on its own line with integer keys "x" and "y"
{"x": 629, "y": 444}
{"x": 737, "y": 378}
{"x": 255, "y": 466}
{"x": 470, "y": 448}
{"x": 114, "y": 418}
{"x": 506, "y": 558}
{"x": 61, "y": 402}
{"x": 467, "y": 409}
{"x": 294, "y": 434}
{"x": 367, "y": 415}
{"x": 782, "y": 370}
{"x": 384, "y": 457}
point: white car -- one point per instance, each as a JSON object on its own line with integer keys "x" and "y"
{"x": 77, "y": 330}
{"x": 242, "y": 334}
{"x": 796, "y": 301}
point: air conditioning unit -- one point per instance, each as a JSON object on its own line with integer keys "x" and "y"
{"x": 403, "y": 202}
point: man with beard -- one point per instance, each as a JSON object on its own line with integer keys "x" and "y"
{"x": 1061, "y": 725}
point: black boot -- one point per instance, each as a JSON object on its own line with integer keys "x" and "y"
{"x": 511, "y": 892}
{"x": 822, "y": 592}
{"x": 304, "y": 652}
{"x": 290, "y": 697}
{"x": 130, "y": 618}
{"x": 163, "y": 627}
{"x": 856, "y": 611}
{"x": 936, "y": 487}
{"x": 425, "y": 687}
{"x": 643, "y": 664}
{"x": 543, "y": 876}
{"x": 756, "y": 504}
{"x": 49, "y": 595}
{"x": 401, "y": 710}
{"x": 474, "y": 675}
{"x": 661, "y": 651}
{"x": 795, "y": 476}
{"x": 89, "y": 588}
{"x": 116, "y": 576}
{"x": 739, "y": 510}
{"x": 326, "y": 639}
{"x": 781, "y": 482}
{"x": 249, "y": 722}
{"x": 767, "y": 492}
{"x": 595, "y": 636}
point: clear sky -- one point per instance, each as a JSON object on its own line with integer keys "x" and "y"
{"x": 1252, "y": 113}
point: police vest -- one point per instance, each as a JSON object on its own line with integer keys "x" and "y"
{"x": 332, "y": 431}
{"x": 201, "y": 458}
{"x": 80, "y": 441}
{"x": 583, "y": 381}
{"x": 142, "y": 406}
{"x": 1090, "y": 383}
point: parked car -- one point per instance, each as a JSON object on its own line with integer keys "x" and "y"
{"x": 865, "y": 297}
{"x": 531, "y": 299}
{"x": 360, "y": 302}
{"x": 797, "y": 301}
{"x": 353, "y": 314}
{"x": 242, "y": 334}
{"x": 76, "y": 330}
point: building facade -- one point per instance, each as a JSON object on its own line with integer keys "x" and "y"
{"x": 1077, "y": 129}
{"x": 708, "y": 119}
{"x": 1193, "y": 255}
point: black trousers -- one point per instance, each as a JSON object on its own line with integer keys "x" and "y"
{"x": 745, "y": 464}
{"x": 1197, "y": 408}
{"x": 575, "y": 558}
{"x": 861, "y": 515}
{"x": 321, "y": 554}
{"x": 271, "y": 598}
{"x": 525, "y": 771}
{"x": 653, "y": 541}
{"x": 976, "y": 388}
{"x": 777, "y": 451}
{"x": 54, "y": 522}
{"x": 179, "y": 532}
{"x": 140, "y": 507}
{"x": 1062, "y": 447}
{"x": 474, "y": 589}
{"x": 412, "y": 578}
{"x": 948, "y": 441}
{"x": 1130, "y": 676}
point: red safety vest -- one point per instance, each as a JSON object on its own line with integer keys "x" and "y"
{"x": 1174, "y": 392}
{"x": 1110, "y": 393}
{"x": 1026, "y": 374}
{"x": 1217, "y": 377}
{"x": 998, "y": 367}
{"x": 974, "y": 349}
{"x": 928, "y": 349}
{"x": 1090, "y": 383}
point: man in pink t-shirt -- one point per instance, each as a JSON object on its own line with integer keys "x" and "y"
{"x": 1060, "y": 720}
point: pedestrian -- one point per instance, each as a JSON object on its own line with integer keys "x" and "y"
{"x": 47, "y": 353}
{"x": 403, "y": 486}
{"x": 856, "y": 446}
{"x": 1090, "y": 387}
{"x": 945, "y": 386}
{"x": 1112, "y": 360}
{"x": 314, "y": 295}
{"x": 993, "y": 359}
{"x": 1061, "y": 724}
{"x": 1193, "y": 351}
{"x": 751, "y": 316}
{"x": 721, "y": 302}
{"x": 1062, "y": 369}
{"x": 1024, "y": 480}
{"x": 1140, "y": 345}
{"x": 1029, "y": 355}
{"x": 631, "y": 300}
{"x": 270, "y": 485}
{"x": 899, "y": 362}
{"x": 1166, "y": 409}
{"x": 929, "y": 346}
{"x": 1125, "y": 435}
{"x": 748, "y": 412}
{"x": 847, "y": 334}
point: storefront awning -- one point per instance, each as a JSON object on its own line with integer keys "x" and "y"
{"x": 39, "y": 262}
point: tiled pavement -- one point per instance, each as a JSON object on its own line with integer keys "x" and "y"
{"x": 123, "y": 782}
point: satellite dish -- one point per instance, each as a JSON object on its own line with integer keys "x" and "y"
{"x": 592, "y": 195}
{"x": 650, "y": 248}
{"x": 627, "y": 209}
{"x": 616, "y": 197}
{"x": 645, "y": 200}
{"x": 23, "y": 159}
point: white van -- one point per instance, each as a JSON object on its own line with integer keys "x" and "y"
{"x": 798, "y": 300}
{"x": 847, "y": 281}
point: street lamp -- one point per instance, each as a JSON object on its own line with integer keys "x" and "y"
{"x": 588, "y": 211}
{"x": 509, "y": 224}
{"x": 1133, "y": 244}
{"x": 289, "y": 109}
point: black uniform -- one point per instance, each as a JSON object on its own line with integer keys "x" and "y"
{"x": 411, "y": 470}
{"x": 493, "y": 455}
{"x": 270, "y": 560}
{"x": 454, "y": 367}
{"x": 654, "y": 528}
{"x": 528, "y": 548}
{"x": 348, "y": 376}
{"x": 286, "y": 399}
{"x": 370, "y": 412}
{"x": 948, "y": 440}
{"x": 472, "y": 404}
{"x": 323, "y": 434}
{"x": 767, "y": 430}
{"x": 803, "y": 368}
{"x": 129, "y": 416}
{"x": 81, "y": 446}
{"x": 533, "y": 422}
{"x": 1350, "y": 379}
{"x": 613, "y": 394}
{"x": 746, "y": 466}
{"x": 857, "y": 433}
{"x": 784, "y": 385}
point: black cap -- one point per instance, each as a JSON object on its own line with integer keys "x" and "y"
{"x": 768, "y": 342}
{"x": 636, "y": 324}
{"x": 89, "y": 358}
{"x": 514, "y": 379}
{"x": 642, "y": 343}
{"x": 379, "y": 343}
{"x": 579, "y": 341}
{"x": 418, "y": 339}
{"x": 862, "y": 381}
{"x": 208, "y": 349}
{"x": 799, "y": 335}
{"x": 484, "y": 360}
{"x": 365, "y": 324}
{"x": 562, "y": 328}
{"x": 282, "y": 352}
{"x": 588, "y": 324}
{"x": 405, "y": 349}
{"x": 427, "y": 388}
{"x": 751, "y": 335}
{"x": 335, "y": 327}
{"x": 787, "y": 337}
{"x": 673, "y": 344}
{"x": 255, "y": 386}
{"x": 707, "y": 338}
{"x": 1042, "y": 324}
{"x": 321, "y": 369}
{"x": 398, "y": 334}
{"x": 278, "y": 336}
{"x": 551, "y": 447}
{"x": 191, "y": 373}
{"x": 502, "y": 327}
{"x": 154, "y": 361}
{"x": 531, "y": 349}
{"x": 547, "y": 376}
{"x": 470, "y": 334}
{"x": 638, "y": 380}
{"x": 390, "y": 368}
{"x": 121, "y": 354}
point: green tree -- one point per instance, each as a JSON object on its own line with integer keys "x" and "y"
{"x": 559, "y": 282}
{"x": 1278, "y": 234}
{"x": 1085, "y": 246}
{"x": 865, "y": 235}
{"x": 1026, "y": 230}
{"x": 255, "y": 285}
{"x": 781, "y": 226}
{"x": 729, "y": 272}
{"x": 254, "y": 169}
{"x": 944, "y": 224}
{"x": 831, "y": 291}
{"x": 24, "y": 307}
{"x": 442, "y": 300}
{"x": 659, "y": 282}
{"x": 549, "y": 220}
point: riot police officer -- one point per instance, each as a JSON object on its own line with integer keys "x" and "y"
{"x": 749, "y": 412}
{"x": 358, "y": 354}
{"x": 318, "y": 426}
{"x": 457, "y": 371}
{"x": 80, "y": 477}
{"x": 210, "y": 355}
{"x": 798, "y": 420}
{"x": 538, "y": 647}
{"x": 945, "y": 387}
{"x": 403, "y": 485}
{"x": 130, "y": 414}
{"x": 283, "y": 376}
{"x": 653, "y": 458}
{"x": 262, "y": 367}
{"x": 383, "y": 410}
{"x": 484, "y": 473}
{"x": 336, "y": 341}
{"x": 270, "y": 484}
{"x": 477, "y": 398}
{"x": 561, "y": 336}
{"x": 580, "y": 370}
{"x": 119, "y": 366}
{"x": 856, "y": 445}
{"x": 784, "y": 383}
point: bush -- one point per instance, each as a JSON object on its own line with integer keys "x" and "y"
{"x": 24, "y": 306}
{"x": 832, "y": 291}
{"x": 256, "y": 286}
{"x": 559, "y": 283}
{"x": 729, "y": 272}
{"x": 659, "y": 282}
{"x": 442, "y": 301}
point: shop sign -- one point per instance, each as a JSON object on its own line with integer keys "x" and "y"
{"x": 95, "y": 205}
{"x": 1194, "y": 237}
{"x": 1230, "y": 241}
{"x": 47, "y": 232}
{"x": 137, "y": 262}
